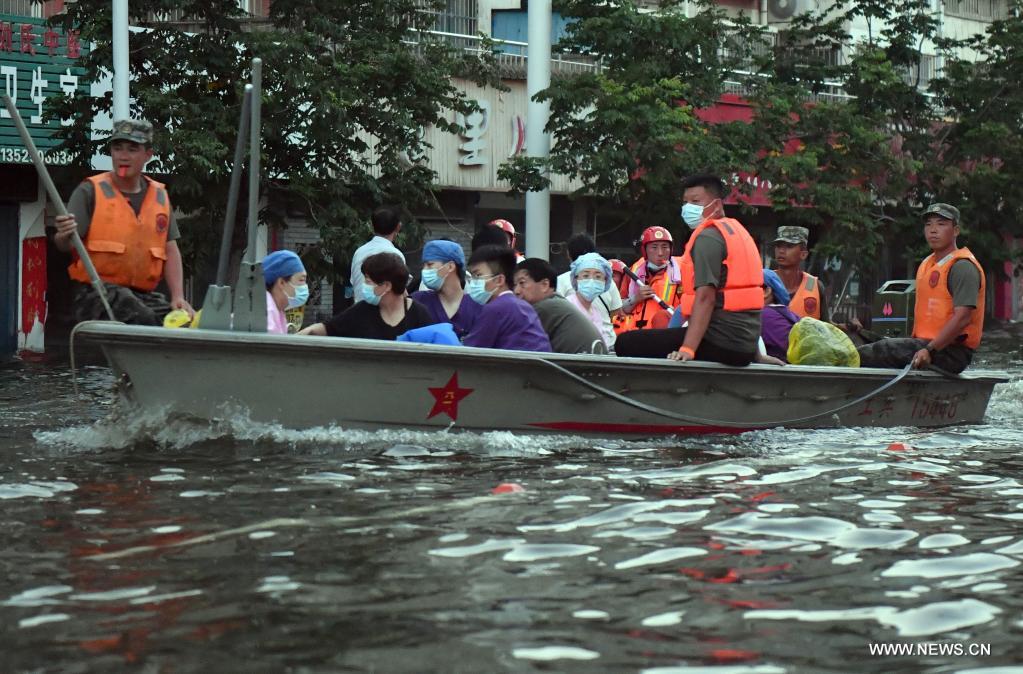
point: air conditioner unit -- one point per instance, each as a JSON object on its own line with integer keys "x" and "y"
{"x": 782, "y": 11}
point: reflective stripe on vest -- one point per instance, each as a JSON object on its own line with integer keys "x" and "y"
{"x": 807, "y": 300}
{"x": 744, "y": 285}
{"x": 127, "y": 250}
{"x": 934, "y": 301}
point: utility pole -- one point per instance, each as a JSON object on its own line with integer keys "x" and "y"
{"x": 122, "y": 98}
{"x": 538, "y": 142}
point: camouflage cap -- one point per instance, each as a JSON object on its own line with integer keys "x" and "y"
{"x": 792, "y": 234}
{"x": 944, "y": 210}
{"x": 136, "y": 130}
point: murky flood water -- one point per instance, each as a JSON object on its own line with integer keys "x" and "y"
{"x": 246, "y": 548}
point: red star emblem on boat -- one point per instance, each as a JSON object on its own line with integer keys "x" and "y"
{"x": 446, "y": 398}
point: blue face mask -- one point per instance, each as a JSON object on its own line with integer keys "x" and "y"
{"x": 301, "y": 296}
{"x": 369, "y": 296}
{"x": 589, "y": 288}
{"x": 432, "y": 279}
{"x": 477, "y": 289}
{"x": 692, "y": 215}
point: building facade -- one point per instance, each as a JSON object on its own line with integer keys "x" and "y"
{"x": 37, "y": 63}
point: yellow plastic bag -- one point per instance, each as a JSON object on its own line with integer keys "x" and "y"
{"x": 178, "y": 318}
{"x": 814, "y": 342}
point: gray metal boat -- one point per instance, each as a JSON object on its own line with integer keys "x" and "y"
{"x": 303, "y": 382}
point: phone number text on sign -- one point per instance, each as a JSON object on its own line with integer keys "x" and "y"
{"x": 19, "y": 155}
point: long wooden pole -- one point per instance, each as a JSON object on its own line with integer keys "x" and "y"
{"x": 58, "y": 203}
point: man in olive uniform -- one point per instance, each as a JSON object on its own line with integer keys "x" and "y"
{"x": 806, "y": 292}
{"x": 948, "y": 318}
{"x": 126, "y": 222}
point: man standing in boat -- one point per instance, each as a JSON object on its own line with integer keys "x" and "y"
{"x": 806, "y": 292}
{"x": 659, "y": 281}
{"x": 386, "y": 225}
{"x": 948, "y": 319}
{"x": 127, "y": 224}
{"x": 722, "y": 287}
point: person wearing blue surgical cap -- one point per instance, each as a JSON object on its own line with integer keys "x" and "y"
{"x": 444, "y": 280}
{"x": 776, "y": 317}
{"x": 286, "y": 288}
{"x": 590, "y": 276}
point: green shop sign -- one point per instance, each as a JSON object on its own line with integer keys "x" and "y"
{"x": 36, "y": 62}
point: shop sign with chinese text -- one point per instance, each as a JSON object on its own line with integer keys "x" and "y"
{"x": 37, "y": 62}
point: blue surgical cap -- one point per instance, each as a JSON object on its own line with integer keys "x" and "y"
{"x": 773, "y": 281}
{"x": 281, "y": 264}
{"x": 591, "y": 261}
{"x": 443, "y": 251}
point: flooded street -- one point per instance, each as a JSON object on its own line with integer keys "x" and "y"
{"x": 248, "y": 548}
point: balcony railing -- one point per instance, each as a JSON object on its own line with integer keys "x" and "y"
{"x": 977, "y": 10}
{"x": 254, "y": 8}
{"x": 511, "y": 55}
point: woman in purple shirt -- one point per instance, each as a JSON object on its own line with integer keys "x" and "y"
{"x": 444, "y": 276}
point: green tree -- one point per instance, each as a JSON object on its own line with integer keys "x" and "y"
{"x": 851, "y": 135}
{"x": 979, "y": 150}
{"x": 348, "y": 88}
{"x": 630, "y": 130}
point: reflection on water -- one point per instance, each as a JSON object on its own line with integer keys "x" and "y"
{"x": 245, "y": 547}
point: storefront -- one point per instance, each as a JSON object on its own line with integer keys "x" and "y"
{"x": 37, "y": 62}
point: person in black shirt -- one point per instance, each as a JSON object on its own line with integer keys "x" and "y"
{"x": 383, "y": 312}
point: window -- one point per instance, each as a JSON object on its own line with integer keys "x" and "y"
{"x": 21, "y": 7}
{"x": 460, "y": 17}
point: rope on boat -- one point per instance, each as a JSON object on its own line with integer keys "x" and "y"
{"x": 719, "y": 422}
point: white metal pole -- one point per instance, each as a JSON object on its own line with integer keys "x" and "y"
{"x": 538, "y": 142}
{"x": 122, "y": 100}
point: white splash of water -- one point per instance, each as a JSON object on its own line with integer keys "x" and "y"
{"x": 122, "y": 431}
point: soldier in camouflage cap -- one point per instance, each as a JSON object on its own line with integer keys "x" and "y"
{"x": 806, "y": 292}
{"x": 793, "y": 234}
{"x": 135, "y": 130}
{"x": 130, "y": 259}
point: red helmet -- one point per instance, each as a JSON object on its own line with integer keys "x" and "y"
{"x": 508, "y": 227}
{"x": 617, "y": 266}
{"x": 652, "y": 234}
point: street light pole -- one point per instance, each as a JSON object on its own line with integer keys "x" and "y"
{"x": 122, "y": 100}
{"x": 538, "y": 142}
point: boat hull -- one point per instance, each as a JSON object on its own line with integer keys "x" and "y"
{"x": 304, "y": 382}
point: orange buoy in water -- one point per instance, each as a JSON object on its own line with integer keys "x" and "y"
{"x": 508, "y": 488}
{"x": 898, "y": 447}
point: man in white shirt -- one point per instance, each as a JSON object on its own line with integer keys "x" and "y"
{"x": 386, "y": 225}
{"x": 609, "y": 303}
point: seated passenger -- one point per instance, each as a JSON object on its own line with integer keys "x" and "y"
{"x": 776, "y": 319}
{"x": 722, "y": 287}
{"x": 608, "y": 304}
{"x": 384, "y": 312}
{"x": 590, "y": 277}
{"x": 569, "y": 330}
{"x": 506, "y": 322}
{"x": 283, "y": 271}
{"x": 444, "y": 278}
{"x": 948, "y": 318}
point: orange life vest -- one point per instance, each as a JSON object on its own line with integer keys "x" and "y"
{"x": 807, "y": 299}
{"x": 126, "y": 249}
{"x": 665, "y": 284}
{"x": 744, "y": 285}
{"x": 934, "y": 301}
